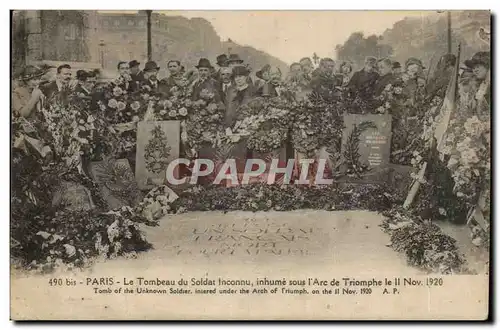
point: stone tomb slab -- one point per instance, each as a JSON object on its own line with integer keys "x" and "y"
{"x": 158, "y": 143}
{"x": 374, "y": 145}
{"x": 302, "y": 239}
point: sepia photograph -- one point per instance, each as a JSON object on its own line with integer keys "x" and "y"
{"x": 250, "y": 165}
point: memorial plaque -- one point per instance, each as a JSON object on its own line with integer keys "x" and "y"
{"x": 373, "y": 141}
{"x": 116, "y": 182}
{"x": 158, "y": 143}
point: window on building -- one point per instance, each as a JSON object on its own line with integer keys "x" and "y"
{"x": 105, "y": 23}
{"x": 131, "y": 23}
{"x": 117, "y": 23}
{"x": 142, "y": 23}
{"x": 70, "y": 32}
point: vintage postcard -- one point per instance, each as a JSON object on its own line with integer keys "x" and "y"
{"x": 250, "y": 165}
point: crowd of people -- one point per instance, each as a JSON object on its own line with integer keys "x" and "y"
{"x": 231, "y": 82}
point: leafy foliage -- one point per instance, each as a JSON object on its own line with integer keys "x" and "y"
{"x": 351, "y": 151}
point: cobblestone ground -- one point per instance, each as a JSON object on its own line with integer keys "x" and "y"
{"x": 241, "y": 246}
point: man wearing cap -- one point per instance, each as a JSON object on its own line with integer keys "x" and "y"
{"x": 205, "y": 82}
{"x": 363, "y": 81}
{"x": 151, "y": 76}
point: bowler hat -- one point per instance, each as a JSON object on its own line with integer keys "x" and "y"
{"x": 265, "y": 68}
{"x": 479, "y": 58}
{"x": 222, "y": 59}
{"x": 240, "y": 70}
{"x": 413, "y": 60}
{"x": 133, "y": 63}
{"x": 82, "y": 75}
{"x": 150, "y": 66}
{"x": 396, "y": 65}
{"x": 204, "y": 63}
{"x": 234, "y": 58}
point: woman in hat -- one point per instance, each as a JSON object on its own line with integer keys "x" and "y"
{"x": 25, "y": 93}
{"x": 238, "y": 94}
{"x": 85, "y": 83}
{"x": 480, "y": 84}
{"x": 262, "y": 75}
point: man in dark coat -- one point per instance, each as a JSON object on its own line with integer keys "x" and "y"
{"x": 324, "y": 81}
{"x": 205, "y": 84}
{"x": 363, "y": 81}
{"x": 83, "y": 87}
{"x": 151, "y": 76}
{"x": 177, "y": 77}
{"x": 59, "y": 86}
{"x": 225, "y": 82}
{"x": 221, "y": 63}
{"x": 136, "y": 74}
{"x": 386, "y": 76}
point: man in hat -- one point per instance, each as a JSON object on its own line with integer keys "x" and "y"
{"x": 136, "y": 73}
{"x": 234, "y": 60}
{"x": 363, "y": 81}
{"x": 85, "y": 83}
{"x": 151, "y": 76}
{"x": 396, "y": 69}
{"x": 221, "y": 63}
{"x": 205, "y": 84}
{"x": 60, "y": 86}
